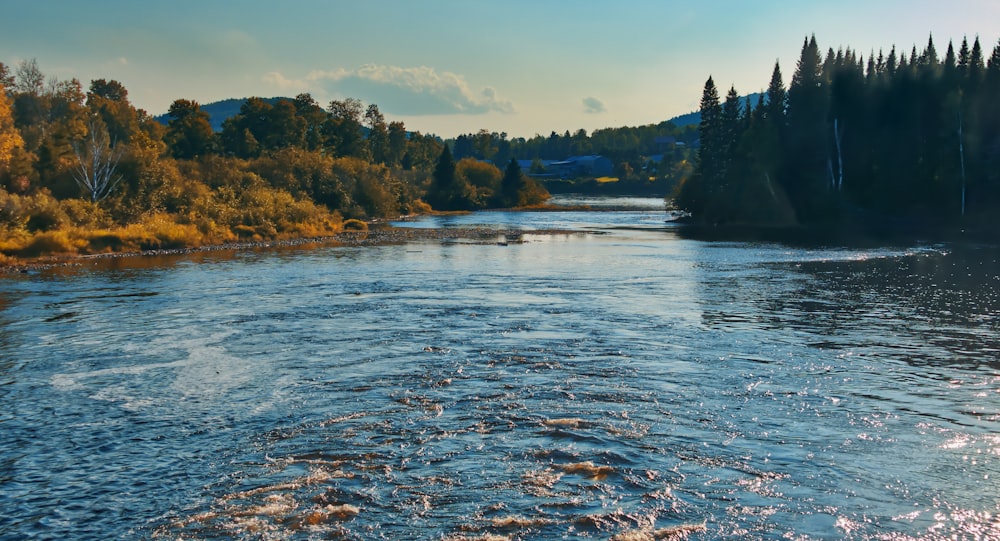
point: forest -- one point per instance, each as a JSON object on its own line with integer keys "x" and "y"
{"x": 899, "y": 141}
{"x": 84, "y": 171}
{"x": 87, "y": 172}
{"x": 909, "y": 140}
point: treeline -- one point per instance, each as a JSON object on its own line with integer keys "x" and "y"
{"x": 895, "y": 138}
{"x": 86, "y": 171}
{"x": 629, "y": 148}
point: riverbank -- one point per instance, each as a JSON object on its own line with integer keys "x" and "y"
{"x": 857, "y": 234}
{"x": 376, "y": 235}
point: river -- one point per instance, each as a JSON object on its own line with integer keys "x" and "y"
{"x": 619, "y": 381}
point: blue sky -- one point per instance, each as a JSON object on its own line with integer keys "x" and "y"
{"x": 451, "y": 67}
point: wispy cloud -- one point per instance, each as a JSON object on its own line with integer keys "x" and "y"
{"x": 402, "y": 91}
{"x": 592, "y": 105}
{"x": 283, "y": 83}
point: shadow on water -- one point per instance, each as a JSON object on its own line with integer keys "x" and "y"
{"x": 628, "y": 385}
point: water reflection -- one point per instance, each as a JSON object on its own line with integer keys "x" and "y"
{"x": 626, "y": 384}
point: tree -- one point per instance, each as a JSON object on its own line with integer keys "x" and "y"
{"x": 731, "y": 128}
{"x": 28, "y": 78}
{"x": 343, "y": 130}
{"x": 110, "y": 90}
{"x": 423, "y": 151}
{"x": 97, "y": 158}
{"x": 396, "y": 143}
{"x": 776, "y": 97}
{"x": 447, "y": 190}
{"x": 712, "y": 151}
{"x": 806, "y": 158}
{"x": 315, "y": 118}
{"x": 484, "y": 145}
{"x": 189, "y": 133}
{"x": 483, "y": 179}
{"x": 378, "y": 134}
{"x": 6, "y": 78}
{"x": 703, "y": 186}
{"x": 109, "y": 99}
{"x": 512, "y": 184}
{"x": 10, "y": 138}
{"x": 283, "y": 128}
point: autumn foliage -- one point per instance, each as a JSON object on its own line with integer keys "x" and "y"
{"x": 87, "y": 172}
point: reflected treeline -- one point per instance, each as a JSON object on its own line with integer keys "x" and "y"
{"x": 925, "y": 307}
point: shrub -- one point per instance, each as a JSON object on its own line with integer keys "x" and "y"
{"x": 85, "y": 214}
{"x": 51, "y": 243}
{"x": 355, "y": 225}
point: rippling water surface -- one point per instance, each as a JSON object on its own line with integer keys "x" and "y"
{"x": 617, "y": 381}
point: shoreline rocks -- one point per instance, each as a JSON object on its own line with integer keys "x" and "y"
{"x": 378, "y": 236}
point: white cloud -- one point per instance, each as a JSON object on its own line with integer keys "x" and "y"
{"x": 275, "y": 78}
{"x": 408, "y": 91}
{"x": 593, "y": 105}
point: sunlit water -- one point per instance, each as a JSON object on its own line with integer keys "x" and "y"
{"x": 618, "y": 381}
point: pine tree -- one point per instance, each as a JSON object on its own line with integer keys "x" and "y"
{"x": 930, "y": 57}
{"x": 512, "y": 185}
{"x": 807, "y": 158}
{"x": 711, "y": 152}
{"x": 776, "y": 97}
{"x": 731, "y": 130}
{"x": 447, "y": 190}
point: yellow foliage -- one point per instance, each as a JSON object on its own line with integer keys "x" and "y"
{"x": 62, "y": 242}
{"x": 10, "y": 137}
{"x": 355, "y": 225}
{"x": 161, "y": 232}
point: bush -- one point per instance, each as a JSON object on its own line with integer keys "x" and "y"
{"x": 85, "y": 214}
{"x": 355, "y": 225}
{"x": 51, "y": 243}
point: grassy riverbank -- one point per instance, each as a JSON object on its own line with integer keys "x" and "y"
{"x": 352, "y": 236}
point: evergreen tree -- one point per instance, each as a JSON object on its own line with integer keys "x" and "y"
{"x": 806, "y": 175}
{"x": 776, "y": 97}
{"x": 512, "y": 185}
{"x": 711, "y": 154}
{"x": 930, "y": 57}
{"x": 703, "y": 186}
{"x": 447, "y": 190}
{"x": 731, "y": 128}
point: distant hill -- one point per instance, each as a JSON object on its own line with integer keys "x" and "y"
{"x": 695, "y": 117}
{"x": 219, "y": 111}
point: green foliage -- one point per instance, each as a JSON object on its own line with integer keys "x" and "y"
{"x": 511, "y": 185}
{"x": 449, "y": 191}
{"x": 189, "y": 133}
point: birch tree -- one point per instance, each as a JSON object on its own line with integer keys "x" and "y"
{"x": 97, "y": 159}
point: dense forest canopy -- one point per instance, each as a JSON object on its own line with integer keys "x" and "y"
{"x": 908, "y": 138}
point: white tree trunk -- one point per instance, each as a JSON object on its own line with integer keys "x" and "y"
{"x": 97, "y": 162}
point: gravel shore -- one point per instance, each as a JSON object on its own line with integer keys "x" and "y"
{"x": 374, "y": 237}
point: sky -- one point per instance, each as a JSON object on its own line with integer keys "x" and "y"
{"x": 523, "y": 67}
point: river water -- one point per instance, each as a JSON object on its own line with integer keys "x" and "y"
{"x": 618, "y": 382}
